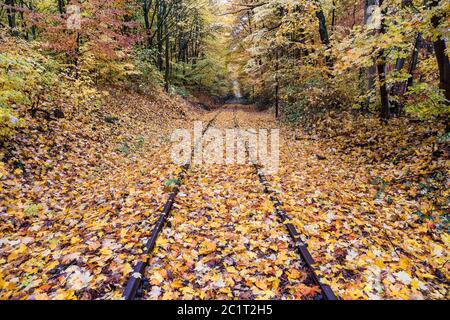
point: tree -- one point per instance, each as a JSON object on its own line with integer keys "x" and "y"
{"x": 440, "y": 48}
{"x": 369, "y": 6}
{"x": 381, "y": 69}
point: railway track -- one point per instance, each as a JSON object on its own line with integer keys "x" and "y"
{"x": 302, "y": 247}
{"x": 135, "y": 281}
{"x": 134, "y": 287}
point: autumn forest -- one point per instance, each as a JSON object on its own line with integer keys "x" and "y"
{"x": 224, "y": 150}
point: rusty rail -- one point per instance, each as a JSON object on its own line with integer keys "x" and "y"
{"x": 301, "y": 246}
{"x": 135, "y": 280}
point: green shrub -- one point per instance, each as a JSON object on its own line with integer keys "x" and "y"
{"x": 147, "y": 76}
{"x": 25, "y": 77}
{"x": 182, "y": 91}
{"x": 293, "y": 112}
{"x": 8, "y": 124}
{"x": 426, "y": 101}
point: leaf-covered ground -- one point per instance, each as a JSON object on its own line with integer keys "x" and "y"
{"x": 78, "y": 194}
{"x": 225, "y": 241}
{"x": 79, "y": 197}
{"x": 372, "y": 202}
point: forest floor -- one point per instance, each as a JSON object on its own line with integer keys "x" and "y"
{"x": 79, "y": 197}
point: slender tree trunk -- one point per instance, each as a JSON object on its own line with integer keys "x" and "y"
{"x": 399, "y": 64}
{"x": 146, "y": 9}
{"x": 397, "y": 88}
{"x": 22, "y": 19}
{"x": 77, "y": 54}
{"x": 368, "y": 8}
{"x": 354, "y": 14}
{"x": 323, "y": 32}
{"x": 381, "y": 69}
{"x": 33, "y": 26}
{"x": 61, "y": 5}
{"x": 441, "y": 56}
{"x": 414, "y": 60}
{"x": 154, "y": 15}
{"x": 159, "y": 37}
{"x": 167, "y": 71}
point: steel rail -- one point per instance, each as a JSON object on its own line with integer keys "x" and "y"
{"x": 135, "y": 280}
{"x": 301, "y": 246}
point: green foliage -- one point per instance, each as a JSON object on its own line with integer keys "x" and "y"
{"x": 146, "y": 76}
{"x": 25, "y": 77}
{"x": 8, "y": 124}
{"x": 33, "y": 210}
{"x": 281, "y": 42}
{"x": 32, "y": 79}
{"x": 141, "y": 141}
{"x": 182, "y": 91}
{"x": 292, "y": 112}
{"x": 104, "y": 69}
{"x": 171, "y": 182}
{"x": 124, "y": 148}
{"x": 426, "y": 101}
{"x": 208, "y": 74}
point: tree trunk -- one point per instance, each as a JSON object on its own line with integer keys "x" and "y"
{"x": 33, "y": 26}
{"x": 23, "y": 20}
{"x": 441, "y": 56}
{"x": 398, "y": 88}
{"x": 61, "y": 7}
{"x": 381, "y": 68}
{"x": 368, "y": 6}
{"x": 414, "y": 60}
{"x": 146, "y": 9}
{"x": 399, "y": 63}
{"x": 159, "y": 37}
{"x": 167, "y": 68}
{"x": 11, "y": 12}
{"x": 323, "y": 32}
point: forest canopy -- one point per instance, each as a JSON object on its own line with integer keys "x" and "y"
{"x": 389, "y": 57}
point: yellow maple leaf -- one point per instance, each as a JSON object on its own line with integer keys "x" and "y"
{"x": 16, "y": 253}
{"x": 293, "y": 274}
{"x": 106, "y": 252}
{"x": 379, "y": 263}
{"x": 207, "y": 247}
{"x": 231, "y": 269}
{"x": 161, "y": 242}
{"x": 75, "y": 240}
{"x": 157, "y": 278}
{"x": 415, "y": 284}
{"x": 176, "y": 284}
{"x": 126, "y": 269}
{"x": 261, "y": 284}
